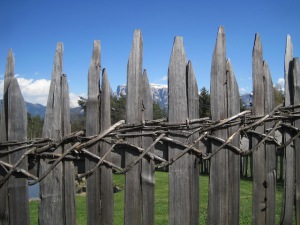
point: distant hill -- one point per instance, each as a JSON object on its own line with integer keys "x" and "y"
{"x": 37, "y": 109}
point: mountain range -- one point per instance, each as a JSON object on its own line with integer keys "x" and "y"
{"x": 159, "y": 95}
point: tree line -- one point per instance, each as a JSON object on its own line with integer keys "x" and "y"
{"x": 35, "y": 123}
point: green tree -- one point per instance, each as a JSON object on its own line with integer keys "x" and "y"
{"x": 118, "y": 108}
{"x": 34, "y": 126}
{"x": 158, "y": 112}
{"x": 278, "y": 94}
{"x": 204, "y": 103}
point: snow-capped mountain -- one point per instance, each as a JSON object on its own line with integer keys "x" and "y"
{"x": 159, "y": 93}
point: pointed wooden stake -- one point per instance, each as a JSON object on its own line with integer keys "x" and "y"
{"x": 147, "y": 175}
{"x": 179, "y": 192}
{"x": 93, "y": 128}
{"x": 218, "y": 185}
{"x": 259, "y": 204}
{"x": 193, "y": 113}
{"x": 289, "y": 152}
{"x": 51, "y": 194}
{"x": 106, "y": 182}
{"x": 68, "y": 166}
{"x": 296, "y": 75}
{"x": 133, "y": 195}
{"x": 270, "y": 150}
{"x": 233, "y": 104}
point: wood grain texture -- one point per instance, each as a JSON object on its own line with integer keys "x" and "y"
{"x": 147, "y": 173}
{"x": 93, "y": 128}
{"x": 193, "y": 113}
{"x": 15, "y": 208}
{"x": 296, "y": 75}
{"x": 17, "y": 131}
{"x": 259, "y": 206}
{"x": 218, "y": 186}
{"x": 51, "y": 205}
{"x": 106, "y": 182}
{"x": 270, "y": 157}
{"x": 68, "y": 166}
{"x": 133, "y": 189}
{"x": 233, "y": 104}
{"x": 179, "y": 191}
{"x": 289, "y": 152}
{"x": 9, "y": 74}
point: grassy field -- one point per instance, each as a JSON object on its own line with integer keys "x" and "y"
{"x": 161, "y": 202}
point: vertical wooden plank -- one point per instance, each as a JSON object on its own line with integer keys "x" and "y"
{"x": 193, "y": 113}
{"x": 9, "y": 74}
{"x": 233, "y": 104}
{"x": 179, "y": 191}
{"x": 296, "y": 76}
{"x": 259, "y": 206}
{"x": 50, "y": 208}
{"x": 218, "y": 186}
{"x": 148, "y": 168}
{"x": 17, "y": 131}
{"x": 15, "y": 207}
{"x": 68, "y": 166}
{"x": 93, "y": 128}
{"x": 133, "y": 195}
{"x": 270, "y": 157}
{"x": 106, "y": 182}
{"x": 289, "y": 152}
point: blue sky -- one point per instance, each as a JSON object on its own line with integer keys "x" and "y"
{"x": 32, "y": 28}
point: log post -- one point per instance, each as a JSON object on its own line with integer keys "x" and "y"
{"x": 68, "y": 166}
{"x": 15, "y": 208}
{"x": 93, "y": 128}
{"x": 259, "y": 190}
{"x": 289, "y": 151}
{"x": 218, "y": 178}
{"x": 233, "y": 104}
{"x": 106, "y": 182}
{"x": 133, "y": 195}
{"x": 296, "y": 76}
{"x": 179, "y": 174}
{"x": 270, "y": 157}
{"x": 51, "y": 205}
{"x": 147, "y": 175}
{"x": 193, "y": 113}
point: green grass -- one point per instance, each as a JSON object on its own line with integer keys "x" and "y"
{"x": 161, "y": 202}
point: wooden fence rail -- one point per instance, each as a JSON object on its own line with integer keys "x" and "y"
{"x": 130, "y": 147}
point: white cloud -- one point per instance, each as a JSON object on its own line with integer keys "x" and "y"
{"x": 36, "y": 91}
{"x": 243, "y": 90}
{"x": 74, "y": 99}
{"x": 280, "y": 83}
{"x": 164, "y": 78}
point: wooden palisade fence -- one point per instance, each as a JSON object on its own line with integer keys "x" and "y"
{"x": 134, "y": 143}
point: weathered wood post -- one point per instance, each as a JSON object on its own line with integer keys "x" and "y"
{"x": 147, "y": 173}
{"x": 270, "y": 157}
{"x": 93, "y": 128}
{"x": 223, "y": 205}
{"x": 289, "y": 152}
{"x": 193, "y": 113}
{"x": 15, "y": 208}
{"x": 9, "y": 73}
{"x": 106, "y": 182}
{"x": 179, "y": 174}
{"x": 296, "y": 75}
{"x": 259, "y": 203}
{"x": 233, "y": 104}
{"x": 133, "y": 196}
{"x": 68, "y": 166}
{"x": 51, "y": 205}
